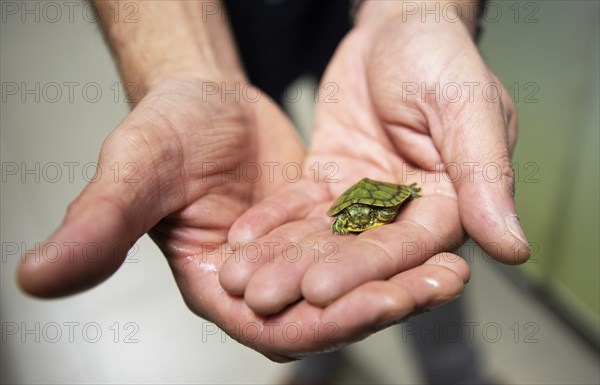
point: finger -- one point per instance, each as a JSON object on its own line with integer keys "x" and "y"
{"x": 252, "y": 256}
{"x": 436, "y": 282}
{"x": 452, "y": 262}
{"x": 478, "y": 140}
{"x": 425, "y": 227}
{"x": 303, "y": 328}
{"x": 292, "y": 203}
{"x": 292, "y": 333}
{"x": 277, "y": 337}
{"x": 277, "y": 284}
{"x": 120, "y": 204}
{"x": 378, "y": 304}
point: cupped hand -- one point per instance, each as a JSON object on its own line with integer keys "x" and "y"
{"x": 387, "y": 122}
{"x": 179, "y": 151}
{"x": 194, "y": 162}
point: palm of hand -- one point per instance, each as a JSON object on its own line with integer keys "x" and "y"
{"x": 194, "y": 237}
{"x": 350, "y": 141}
{"x": 188, "y": 190}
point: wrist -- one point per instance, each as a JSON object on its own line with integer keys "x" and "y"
{"x": 441, "y": 12}
{"x": 172, "y": 40}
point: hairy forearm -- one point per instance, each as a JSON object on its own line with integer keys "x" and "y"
{"x": 166, "y": 40}
{"x": 373, "y": 12}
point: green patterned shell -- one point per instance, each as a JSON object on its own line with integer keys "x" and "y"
{"x": 374, "y": 193}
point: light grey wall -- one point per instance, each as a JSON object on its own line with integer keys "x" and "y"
{"x": 147, "y": 333}
{"x": 547, "y": 55}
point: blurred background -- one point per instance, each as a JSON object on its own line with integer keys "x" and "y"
{"x": 533, "y": 324}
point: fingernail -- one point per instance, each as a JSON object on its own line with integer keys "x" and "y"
{"x": 514, "y": 226}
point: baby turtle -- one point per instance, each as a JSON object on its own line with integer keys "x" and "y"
{"x": 369, "y": 203}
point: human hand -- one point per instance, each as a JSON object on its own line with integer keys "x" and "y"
{"x": 376, "y": 130}
{"x": 182, "y": 149}
{"x": 174, "y": 139}
{"x": 430, "y": 91}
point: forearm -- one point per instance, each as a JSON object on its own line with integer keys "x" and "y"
{"x": 373, "y": 12}
{"x": 166, "y": 40}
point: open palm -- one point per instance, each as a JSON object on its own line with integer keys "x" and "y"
{"x": 372, "y": 127}
{"x": 196, "y": 163}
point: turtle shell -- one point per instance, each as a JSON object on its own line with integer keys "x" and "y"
{"x": 374, "y": 193}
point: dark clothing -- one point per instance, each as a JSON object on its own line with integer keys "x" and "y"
{"x": 279, "y": 40}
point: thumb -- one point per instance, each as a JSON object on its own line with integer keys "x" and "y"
{"x": 101, "y": 224}
{"x": 477, "y": 154}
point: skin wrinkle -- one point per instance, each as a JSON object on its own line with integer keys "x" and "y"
{"x": 451, "y": 113}
{"x": 280, "y": 209}
{"x": 396, "y": 114}
{"x": 392, "y": 147}
{"x": 461, "y": 132}
{"x": 316, "y": 196}
{"x": 374, "y": 162}
{"x": 371, "y": 133}
{"x": 391, "y": 259}
{"x": 122, "y": 208}
{"x": 179, "y": 161}
{"x": 440, "y": 194}
{"x": 393, "y": 116}
{"x": 213, "y": 199}
{"x": 195, "y": 28}
{"x": 406, "y": 136}
{"x": 217, "y": 133}
{"x": 511, "y": 122}
{"x": 432, "y": 120}
{"x": 502, "y": 160}
{"x": 303, "y": 242}
{"x": 369, "y": 120}
{"x": 217, "y": 149}
{"x": 370, "y": 162}
{"x": 183, "y": 234}
{"x": 506, "y": 119}
{"x": 420, "y": 225}
{"x": 181, "y": 168}
{"x": 254, "y": 195}
{"x": 214, "y": 151}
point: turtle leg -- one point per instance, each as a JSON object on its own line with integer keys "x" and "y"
{"x": 339, "y": 224}
{"x": 415, "y": 191}
{"x": 386, "y": 215}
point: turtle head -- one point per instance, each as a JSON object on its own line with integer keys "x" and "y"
{"x": 360, "y": 215}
